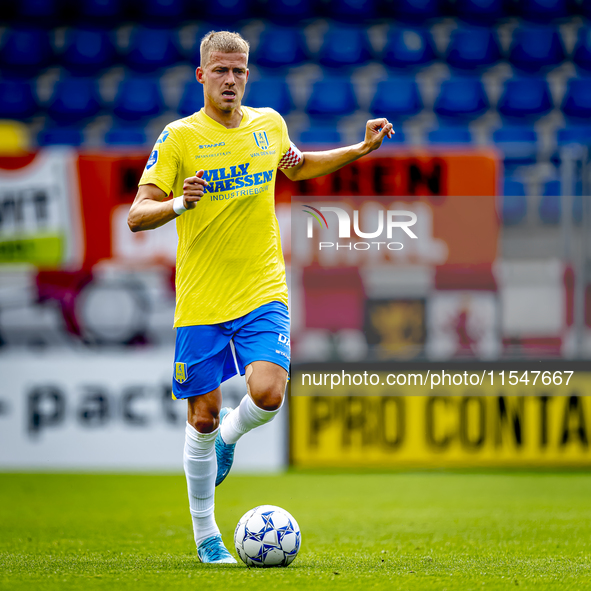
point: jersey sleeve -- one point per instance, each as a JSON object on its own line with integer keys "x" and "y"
{"x": 163, "y": 164}
{"x": 290, "y": 154}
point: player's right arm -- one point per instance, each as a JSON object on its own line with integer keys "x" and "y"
{"x": 149, "y": 209}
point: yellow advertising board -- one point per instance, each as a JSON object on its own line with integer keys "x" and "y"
{"x": 463, "y": 425}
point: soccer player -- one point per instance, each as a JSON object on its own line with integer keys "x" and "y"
{"x": 220, "y": 165}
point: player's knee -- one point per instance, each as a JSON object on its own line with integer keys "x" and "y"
{"x": 204, "y": 423}
{"x": 268, "y": 397}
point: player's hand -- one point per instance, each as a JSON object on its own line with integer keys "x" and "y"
{"x": 193, "y": 189}
{"x": 375, "y": 132}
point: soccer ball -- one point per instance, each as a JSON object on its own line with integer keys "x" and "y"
{"x": 267, "y": 536}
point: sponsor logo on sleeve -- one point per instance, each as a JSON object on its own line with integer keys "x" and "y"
{"x": 152, "y": 159}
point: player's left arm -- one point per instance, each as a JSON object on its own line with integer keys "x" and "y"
{"x": 314, "y": 164}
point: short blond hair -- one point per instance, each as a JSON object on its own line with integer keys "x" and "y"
{"x": 224, "y": 42}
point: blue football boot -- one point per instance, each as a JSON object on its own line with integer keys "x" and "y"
{"x": 223, "y": 451}
{"x": 213, "y": 551}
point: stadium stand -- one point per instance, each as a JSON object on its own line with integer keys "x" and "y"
{"x": 331, "y": 98}
{"x": 461, "y": 99}
{"x": 25, "y": 52}
{"x": 473, "y": 48}
{"x": 577, "y": 100}
{"x": 191, "y": 99}
{"x": 281, "y": 47}
{"x": 88, "y": 51}
{"x": 344, "y": 46}
{"x": 17, "y": 100}
{"x": 582, "y": 50}
{"x": 408, "y": 48}
{"x": 124, "y": 136}
{"x": 517, "y": 72}
{"x": 152, "y": 49}
{"x": 138, "y": 99}
{"x": 525, "y": 99}
{"x": 536, "y": 49}
{"x": 479, "y": 11}
{"x": 396, "y": 98}
{"x": 74, "y": 100}
{"x": 450, "y": 135}
{"x": 270, "y": 92}
{"x": 60, "y": 136}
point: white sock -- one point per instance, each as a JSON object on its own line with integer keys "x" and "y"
{"x": 245, "y": 417}
{"x": 200, "y": 464}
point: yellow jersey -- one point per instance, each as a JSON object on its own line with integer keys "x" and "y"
{"x": 229, "y": 258}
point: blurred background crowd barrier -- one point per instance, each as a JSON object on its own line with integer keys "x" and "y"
{"x": 490, "y": 100}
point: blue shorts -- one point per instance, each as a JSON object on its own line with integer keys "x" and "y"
{"x": 207, "y": 355}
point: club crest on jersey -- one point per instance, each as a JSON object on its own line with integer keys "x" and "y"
{"x": 180, "y": 372}
{"x": 260, "y": 137}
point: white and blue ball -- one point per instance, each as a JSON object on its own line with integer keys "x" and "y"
{"x": 267, "y": 536}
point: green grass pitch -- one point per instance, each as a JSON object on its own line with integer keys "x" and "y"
{"x": 427, "y": 530}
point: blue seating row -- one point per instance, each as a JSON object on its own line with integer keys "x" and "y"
{"x": 514, "y": 205}
{"x": 26, "y": 51}
{"x": 288, "y": 10}
{"x": 460, "y": 100}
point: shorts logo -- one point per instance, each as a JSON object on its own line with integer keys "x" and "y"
{"x": 180, "y": 372}
{"x": 283, "y": 340}
{"x": 260, "y": 137}
{"x": 152, "y": 159}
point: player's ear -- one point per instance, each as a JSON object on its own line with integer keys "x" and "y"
{"x": 199, "y": 74}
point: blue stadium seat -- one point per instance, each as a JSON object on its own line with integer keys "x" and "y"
{"x": 43, "y": 12}
{"x": 17, "y": 100}
{"x": 344, "y": 46}
{"x": 138, "y": 99}
{"x": 450, "y": 135}
{"x": 100, "y": 10}
{"x": 480, "y": 11}
{"x": 355, "y": 11}
{"x": 222, "y": 10}
{"x": 579, "y": 134}
{"x": 152, "y": 49}
{"x": 408, "y": 48}
{"x": 63, "y": 136}
{"x": 332, "y": 97}
{"x": 582, "y": 51}
{"x": 396, "y": 98}
{"x": 471, "y": 48}
{"x": 550, "y": 207}
{"x": 269, "y": 92}
{"x": 461, "y": 98}
{"x": 536, "y": 49}
{"x": 88, "y": 51}
{"x": 287, "y": 11}
{"x": 192, "y": 98}
{"x": 514, "y": 207}
{"x": 413, "y": 11}
{"x": 73, "y": 100}
{"x": 281, "y": 47}
{"x": 25, "y": 52}
{"x": 320, "y": 134}
{"x": 576, "y": 104}
{"x": 543, "y": 11}
{"x": 125, "y": 136}
{"x": 525, "y": 99}
{"x": 162, "y": 12}
{"x": 518, "y": 144}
